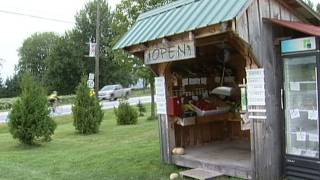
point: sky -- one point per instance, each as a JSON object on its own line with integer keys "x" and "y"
{"x": 15, "y": 29}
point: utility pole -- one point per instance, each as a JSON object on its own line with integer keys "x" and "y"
{"x": 97, "y": 50}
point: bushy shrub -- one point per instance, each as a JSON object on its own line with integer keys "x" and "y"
{"x": 87, "y": 112}
{"x": 30, "y": 118}
{"x": 125, "y": 114}
{"x": 5, "y": 105}
{"x": 141, "y": 109}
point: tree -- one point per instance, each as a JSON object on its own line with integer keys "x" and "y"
{"x": 30, "y": 117}
{"x": 65, "y": 66}
{"x": 87, "y": 112}
{"x": 34, "y": 52}
{"x": 12, "y": 86}
{"x": 125, "y": 16}
{"x": 318, "y": 8}
{"x": 309, "y": 3}
{"x": 111, "y": 71}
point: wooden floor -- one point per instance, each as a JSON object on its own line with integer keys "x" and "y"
{"x": 233, "y": 158}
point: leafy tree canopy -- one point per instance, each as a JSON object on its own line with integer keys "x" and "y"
{"x": 34, "y": 52}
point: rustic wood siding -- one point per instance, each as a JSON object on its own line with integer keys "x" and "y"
{"x": 266, "y": 135}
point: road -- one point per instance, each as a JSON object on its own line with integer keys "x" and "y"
{"x": 66, "y": 109}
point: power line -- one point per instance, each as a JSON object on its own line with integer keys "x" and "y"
{"x": 35, "y": 16}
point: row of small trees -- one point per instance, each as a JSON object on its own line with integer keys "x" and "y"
{"x": 30, "y": 119}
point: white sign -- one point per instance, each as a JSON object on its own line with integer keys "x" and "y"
{"x": 294, "y": 113}
{"x": 256, "y": 87}
{"x": 313, "y": 115}
{"x": 185, "y": 82}
{"x": 160, "y": 98}
{"x": 301, "y": 136}
{"x": 313, "y": 137}
{"x": 311, "y": 153}
{"x": 91, "y": 76}
{"x": 92, "y": 51}
{"x": 294, "y": 86}
{"x": 90, "y": 84}
{"x": 174, "y": 52}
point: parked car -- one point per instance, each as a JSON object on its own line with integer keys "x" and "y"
{"x": 113, "y": 92}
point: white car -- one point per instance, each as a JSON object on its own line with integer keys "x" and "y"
{"x": 113, "y": 92}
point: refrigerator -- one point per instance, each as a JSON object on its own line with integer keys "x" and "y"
{"x": 300, "y": 103}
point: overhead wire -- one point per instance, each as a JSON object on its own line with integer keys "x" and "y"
{"x": 35, "y": 16}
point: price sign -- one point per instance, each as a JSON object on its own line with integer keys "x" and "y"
{"x": 161, "y": 99}
{"x": 313, "y": 137}
{"x": 301, "y": 136}
{"x": 313, "y": 115}
{"x": 256, "y": 87}
{"x": 294, "y": 113}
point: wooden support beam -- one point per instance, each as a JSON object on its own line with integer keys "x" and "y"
{"x": 136, "y": 48}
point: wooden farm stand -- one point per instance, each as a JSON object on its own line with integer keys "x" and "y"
{"x": 250, "y": 32}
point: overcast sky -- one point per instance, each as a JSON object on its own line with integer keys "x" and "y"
{"x": 15, "y": 28}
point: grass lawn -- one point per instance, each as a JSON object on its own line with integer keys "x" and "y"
{"x": 117, "y": 152}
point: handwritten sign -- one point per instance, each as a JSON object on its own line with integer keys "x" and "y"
{"x": 294, "y": 113}
{"x": 256, "y": 87}
{"x": 313, "y": 115}
{"x": 313, "y": 137}
{"x": 301, "y": 136}
{"x": 160, "y": 98}
{"x": 174, "y": 52}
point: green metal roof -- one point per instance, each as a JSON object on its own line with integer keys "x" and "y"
{"x": 181, "y": 16}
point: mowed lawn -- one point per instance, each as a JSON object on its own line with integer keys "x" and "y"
{"x": 116, "y": 152}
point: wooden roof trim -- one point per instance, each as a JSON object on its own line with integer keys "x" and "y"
{"x": 197, "y": 34}
{"x": 289, "y": 5}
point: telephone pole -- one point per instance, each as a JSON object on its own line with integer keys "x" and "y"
{"x": 97, "y": 50}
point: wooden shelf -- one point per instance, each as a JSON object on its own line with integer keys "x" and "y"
{"x": 214, "y": 118}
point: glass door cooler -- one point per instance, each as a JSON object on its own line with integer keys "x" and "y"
{"x": 301, "y": 107}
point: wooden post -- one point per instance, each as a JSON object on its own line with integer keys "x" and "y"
{"x": 97, "y": 74}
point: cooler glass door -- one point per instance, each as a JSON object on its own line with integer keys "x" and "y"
{"x": 301, "y": 106}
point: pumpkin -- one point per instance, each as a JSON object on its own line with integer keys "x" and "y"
{"x": 174, "y": 176}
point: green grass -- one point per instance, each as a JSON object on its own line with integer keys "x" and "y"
{"x": 140, "y": 92}
{"x": 117, "y": 152}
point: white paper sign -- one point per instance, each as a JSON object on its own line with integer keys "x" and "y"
{"x": 91, "y": 76}
{"x": 294, "y": 86}
{"x": 313, "y": 137}
{"x": 185, "y": 82}
{"x": 313, "y": 115}
{"x": 92, "y": 51}
{"x": 296, "y": 151}
{"x": 161, "y": 99}
{"x": 294, "y": 113}
{"x": 310, "y": 153}
{"x": 90, "y": 84}
{"x": 301, "y": 136}
{"x": 255, "y": 87}
{"x": 161, "y": 108}
{"x": 194, "y": 81}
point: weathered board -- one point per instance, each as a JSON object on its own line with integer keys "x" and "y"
{"x": 266, "y": 135}
{"x": 172, "y": 51}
